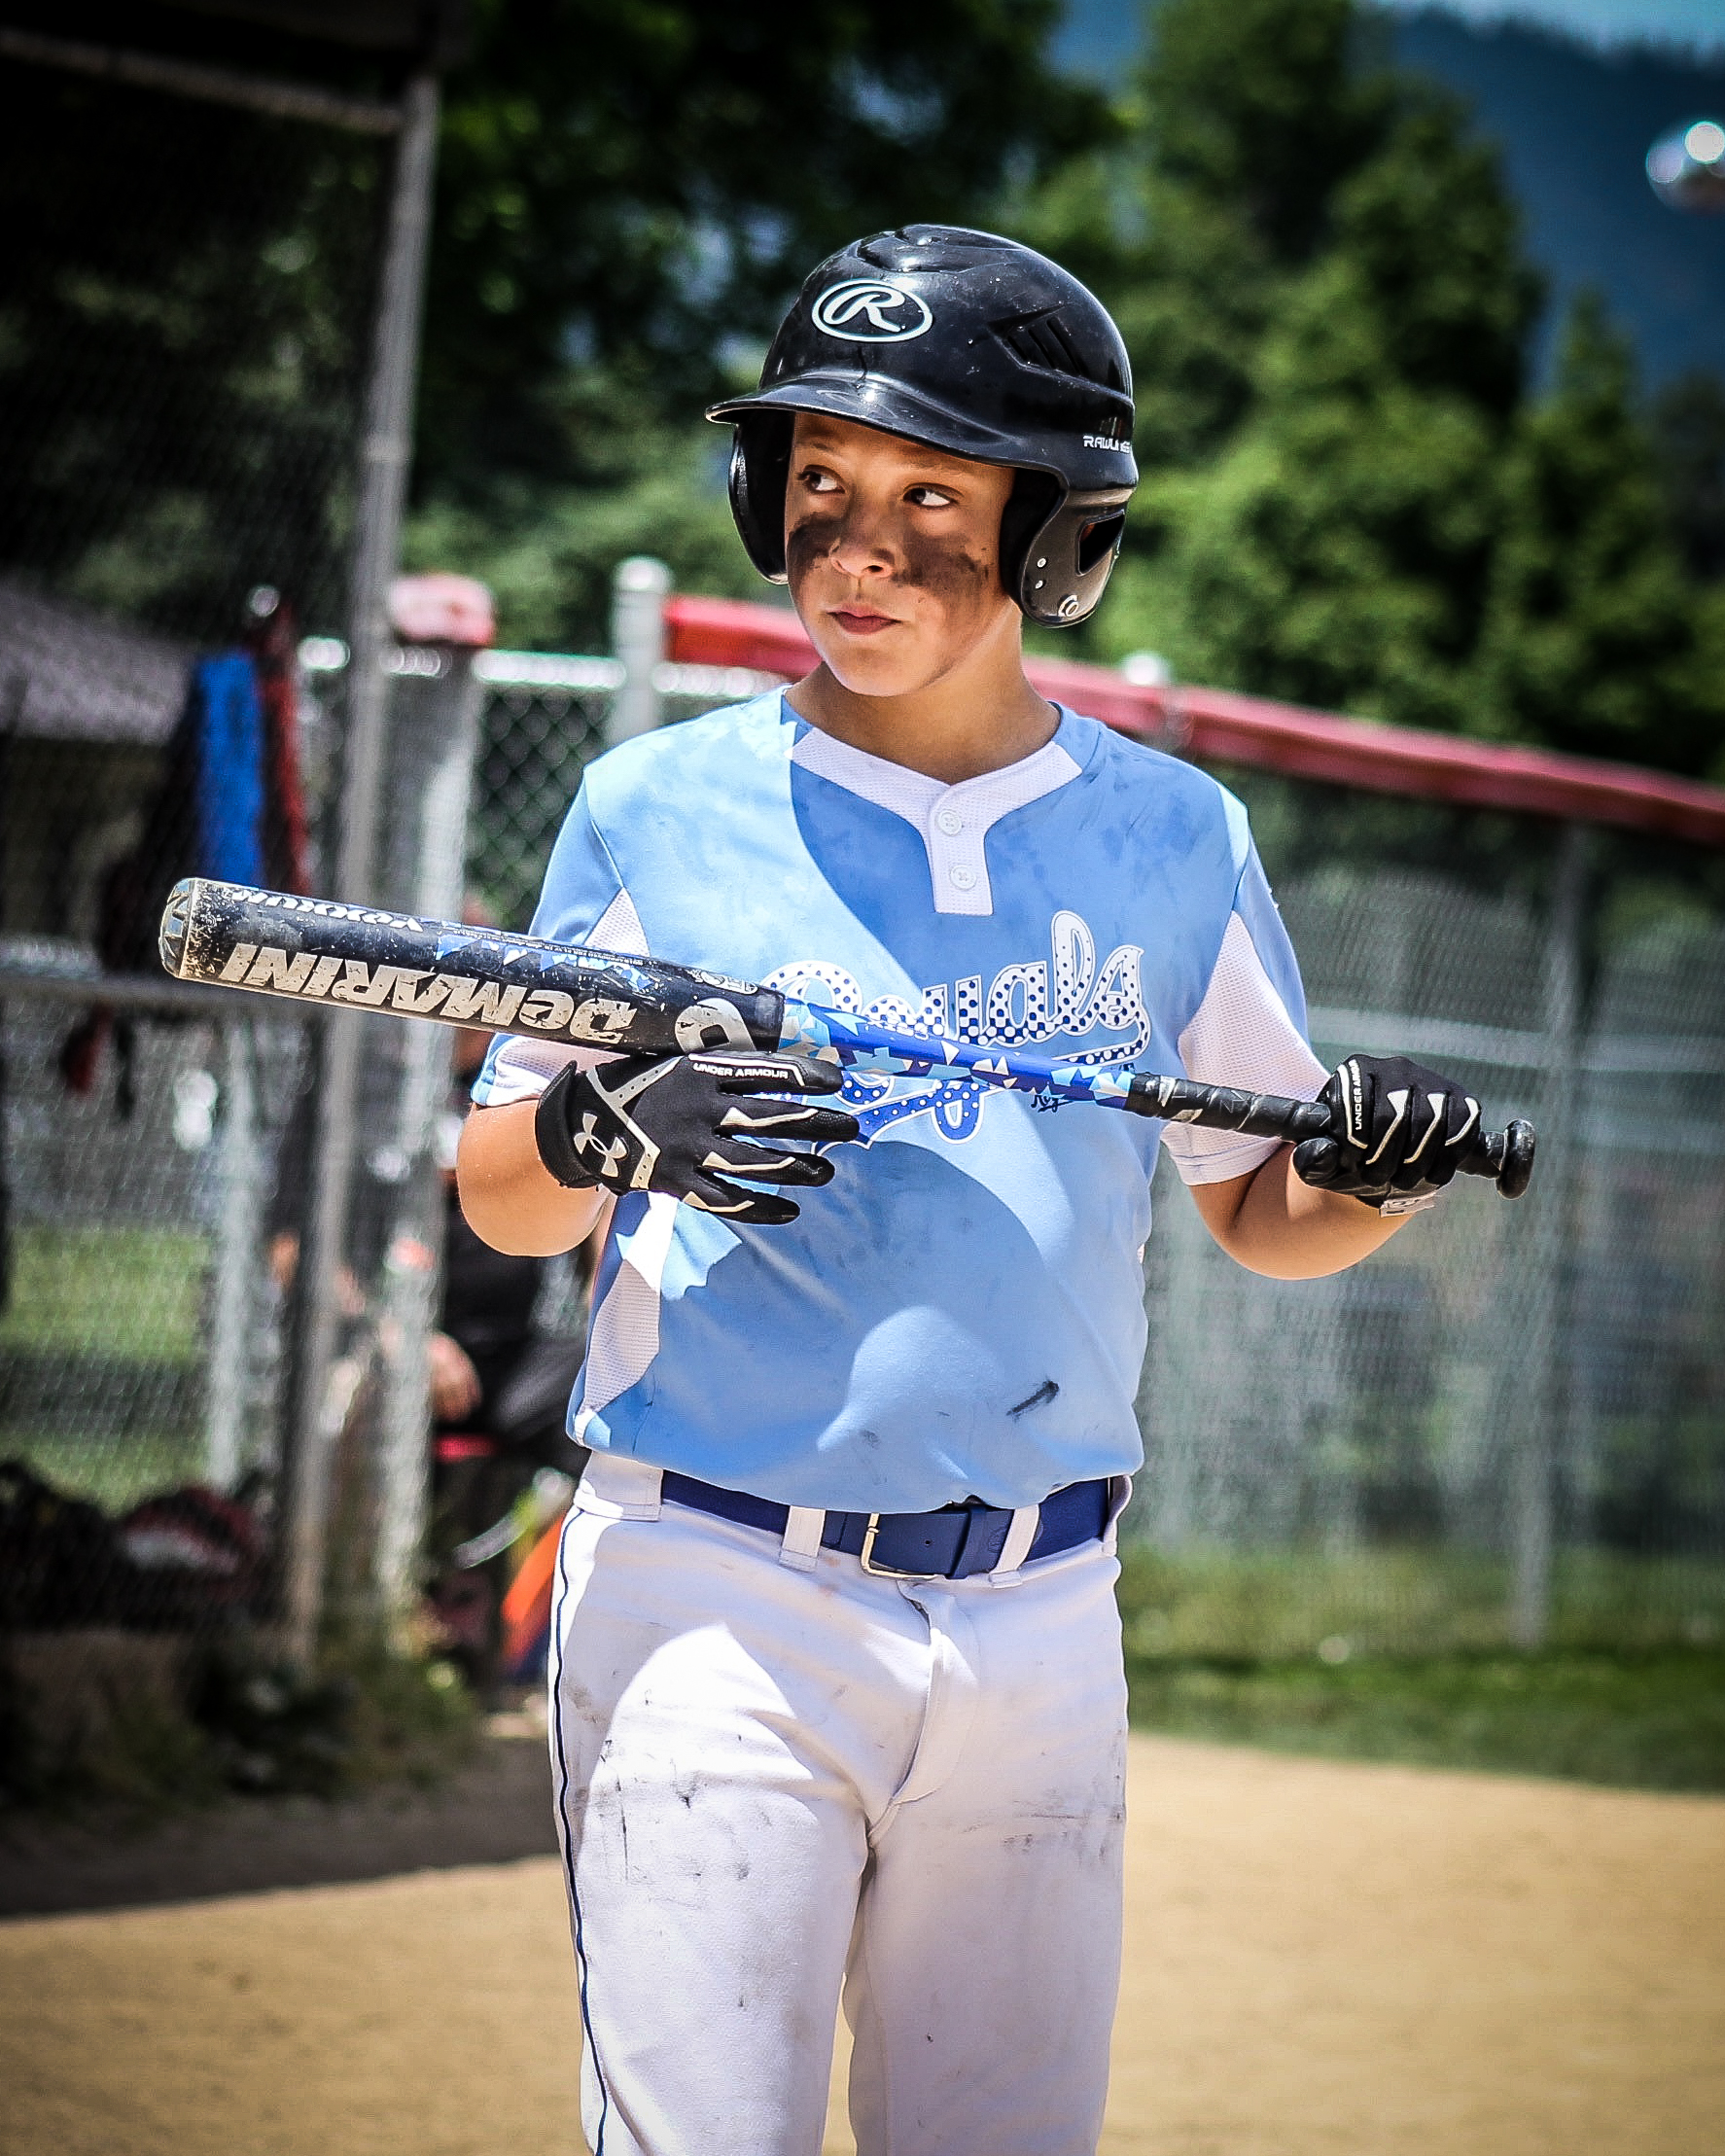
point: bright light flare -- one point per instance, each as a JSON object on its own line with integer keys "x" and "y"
{"x": 1686, "y": 167}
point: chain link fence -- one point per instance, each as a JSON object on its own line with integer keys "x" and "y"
{"x": 1510, "y": 1425}
{"x": 139, "y": 1342}
{"x": 545, "y": 718}
{"x": 141, "y": 1348}
{"x": 183, "y": 339}
{"x": 185, "y": 322}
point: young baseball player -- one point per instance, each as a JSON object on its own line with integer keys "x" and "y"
{"x": 837, "y": 1699}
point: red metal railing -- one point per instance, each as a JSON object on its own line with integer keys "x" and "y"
{"x": 1217, "y": 726}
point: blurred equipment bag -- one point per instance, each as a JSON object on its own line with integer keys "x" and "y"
{"x": 228, "y": 804}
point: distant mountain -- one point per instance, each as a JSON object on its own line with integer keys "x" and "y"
{"x": 1574, "y": 124}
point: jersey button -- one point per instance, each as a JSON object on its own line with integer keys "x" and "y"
{"x": 963, "y": 879}
{"x": 950, "y": 822}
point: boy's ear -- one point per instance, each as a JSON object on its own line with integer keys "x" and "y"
{"x": 1028, "y": 509}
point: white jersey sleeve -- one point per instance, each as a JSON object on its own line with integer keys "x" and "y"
{"x": 594, "y": 909}
{"x": 1249, "y": 1031}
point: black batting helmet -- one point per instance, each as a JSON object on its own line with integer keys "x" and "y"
{"x": 970, "y": 343}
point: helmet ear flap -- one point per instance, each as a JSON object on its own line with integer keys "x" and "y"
{"x": 1069, "y": 557}
{"x": 1035, "y": 498}
{"x": 759, "y": 474}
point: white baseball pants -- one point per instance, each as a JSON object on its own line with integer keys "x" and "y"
{"x": 779, "y": 1777}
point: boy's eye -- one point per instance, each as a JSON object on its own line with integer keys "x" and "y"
{"x": 816, "y": 481}
{"x": 929, "y": 497}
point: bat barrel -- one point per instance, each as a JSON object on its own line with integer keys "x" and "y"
{"x": 175, "y": 920}
{"x": 363, "y": 958}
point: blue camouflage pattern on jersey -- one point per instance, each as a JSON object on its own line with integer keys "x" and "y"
{"x": 960, "y": 1312}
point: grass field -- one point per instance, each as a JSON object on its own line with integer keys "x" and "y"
{"x": 108, "y": 1299}
{"x": 115, "y": 1473}
{"x": 133, "y": 1295}
{"x": 1282, "y": 1604}
{"x": 1653, "y": 1721}
{"x": 1404, "y": 1655}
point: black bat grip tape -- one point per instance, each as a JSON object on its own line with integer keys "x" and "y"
{"x": 1504, "y": 1158}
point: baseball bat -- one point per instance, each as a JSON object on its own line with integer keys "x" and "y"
{"x": 364, "y": 958}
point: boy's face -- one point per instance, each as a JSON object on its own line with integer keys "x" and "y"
{"x": 892, "y": 553}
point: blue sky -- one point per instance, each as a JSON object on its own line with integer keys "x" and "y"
{"x": 1696, "y": 24}
{"x": 1097, "y": 32}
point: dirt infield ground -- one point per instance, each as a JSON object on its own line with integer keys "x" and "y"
{"x": 1323, "y": 1961}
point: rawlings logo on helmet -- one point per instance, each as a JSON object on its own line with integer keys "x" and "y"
{"x": 866, "y": 311}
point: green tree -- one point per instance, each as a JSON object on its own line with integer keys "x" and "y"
{"x": 643, "y": 185}
{"x": 627, "y": 197}
{"x": 1338, "y": 548}
{"x": 1689, "y": 437}
{"x": 642, "y": 485}
{"x": 1348, "y": 499}
{"x": 181, "y": 312}
{"x": 1214, "y": 190}
{"x": 627, "y": 189}
{"x": 1595, "y": 640}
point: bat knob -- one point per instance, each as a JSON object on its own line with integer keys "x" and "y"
{"x": 1515, "y": 1170}
{"x": 171, "y": 937}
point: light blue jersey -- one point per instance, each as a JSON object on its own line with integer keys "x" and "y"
{"x": 959, "y": 1311}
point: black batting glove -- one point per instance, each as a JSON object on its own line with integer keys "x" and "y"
{"x": 1401, "y": 1133}
{"x": 683, "y": 1124}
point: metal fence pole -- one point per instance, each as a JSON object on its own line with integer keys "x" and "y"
{"x": 240, "y": 1174}
{"x": 638, "y": 638}
{"x": 11, "y": 704}
{"x": 1166, "y": 1509}
{"x": 446, "y": 716}
{"x": 1532, "y": 1494}
{"x": 310, "y": 1425}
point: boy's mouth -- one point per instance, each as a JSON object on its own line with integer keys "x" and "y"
{"x": 862, "y": 620}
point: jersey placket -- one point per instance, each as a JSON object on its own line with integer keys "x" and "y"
{"x": 956, "y": 860}
{"x": 953, "y": 822}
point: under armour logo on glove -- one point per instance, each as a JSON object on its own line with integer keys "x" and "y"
{"x": 686, "y": 1125}
{"x": 607, "y": 1153}
{"x": 1400, "y": 1130}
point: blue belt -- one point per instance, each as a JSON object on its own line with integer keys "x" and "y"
{"x": 956, "y": 1542}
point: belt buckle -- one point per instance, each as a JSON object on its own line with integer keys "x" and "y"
{"x": 865, "y": 1555}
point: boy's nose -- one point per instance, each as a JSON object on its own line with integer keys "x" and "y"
{"x": 862, "y": 543}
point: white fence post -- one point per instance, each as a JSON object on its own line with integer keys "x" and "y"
{"x": 638, "y": 638}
